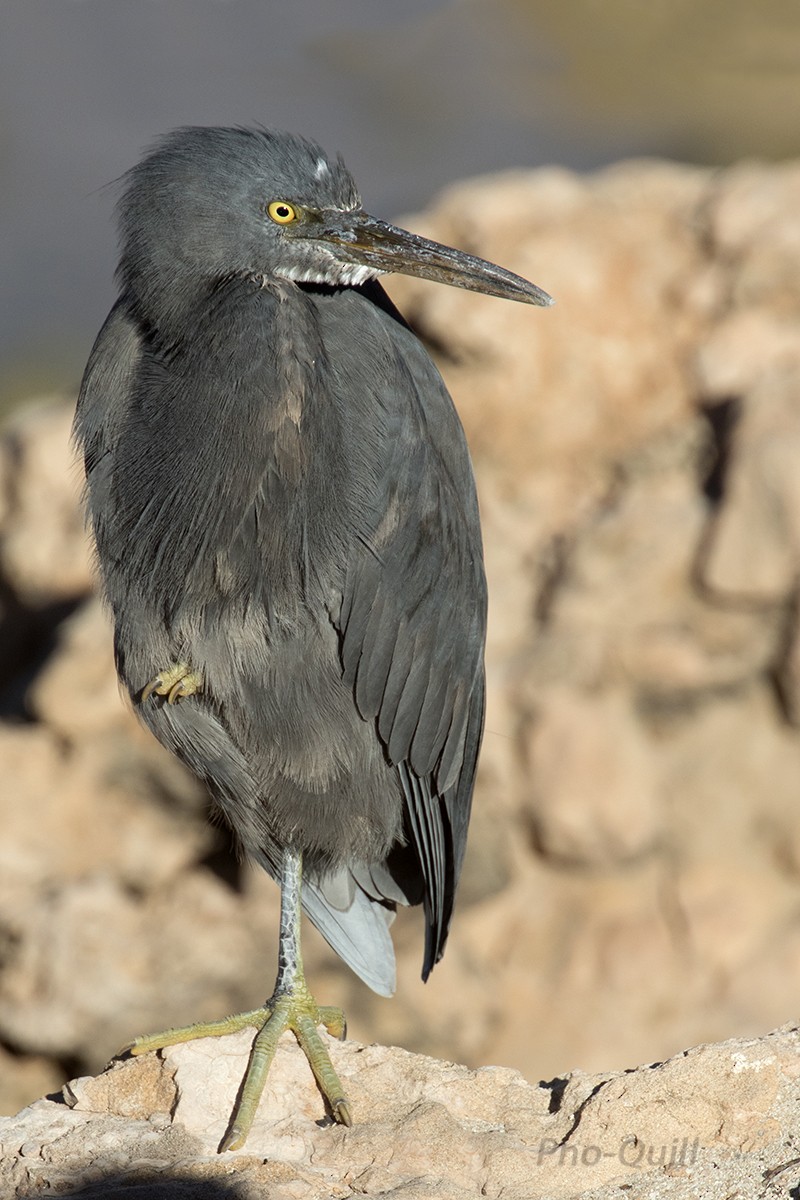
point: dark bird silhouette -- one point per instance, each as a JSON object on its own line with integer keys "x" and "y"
{"x": 288, "y": 538}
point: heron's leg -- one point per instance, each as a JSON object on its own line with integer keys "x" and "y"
{"x": 175, "y": 682}
{"x": 291, "y": 1006}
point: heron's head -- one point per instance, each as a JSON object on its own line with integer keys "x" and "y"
{"x": 210, "y": 203}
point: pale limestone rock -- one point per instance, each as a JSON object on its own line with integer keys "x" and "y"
{"x": 137, "y": 1087}
{"x": 594, "y": 789}
{"x": 23, "y": 1076}
{"x": 44, "y": 550}
{"x": 716, "y": 1116}
{"x": 753, "y": 553}
{"x": 755, "y": 228}
{"x": 82, "y": 673}
{"x": 601, "y": 371}
{"x": 733, "y": 359}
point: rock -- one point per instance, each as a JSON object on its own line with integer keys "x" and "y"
{"x": 568, "y": 391}
{"x": 595, "y": 799}
{"x": 23, "y": 1076}
{"x": 732, "y": 359}
{"x": 139, "y": 1088}
{"x": 76, "y": 693}
{"x": 44, "y": 550}
{"x": 753, "y": 548}
{"x": 755, "y": 226}
{"x": 703, "y": 1124}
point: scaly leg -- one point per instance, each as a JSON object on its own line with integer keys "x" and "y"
{"x": 291, "y": 1006}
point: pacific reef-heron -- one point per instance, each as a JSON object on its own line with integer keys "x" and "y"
{"x": 288, "y": 539}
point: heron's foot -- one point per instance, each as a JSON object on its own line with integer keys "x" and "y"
{"x": 295, "y": 1010}
{"x": 175, "y": 683}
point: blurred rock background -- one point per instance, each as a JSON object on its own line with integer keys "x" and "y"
{"x": 633, "y": 880}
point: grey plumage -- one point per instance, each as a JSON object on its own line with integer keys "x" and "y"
{"x": 281, "y": 496}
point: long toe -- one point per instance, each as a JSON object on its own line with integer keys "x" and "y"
{"x": 256, "y": 1017}
{"x": 295, "y": 1010}
{"x": 312, "y": 1045}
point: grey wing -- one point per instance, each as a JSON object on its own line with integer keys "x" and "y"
{"x": 102, "y": 404}
{"x": 413, "y": 628}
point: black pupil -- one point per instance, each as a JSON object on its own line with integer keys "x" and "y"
{"x": 283, "y": 210}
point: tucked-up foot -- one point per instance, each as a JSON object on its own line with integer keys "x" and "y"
{"x": 295, "y": 1010}
{"x": 175, "y": 682}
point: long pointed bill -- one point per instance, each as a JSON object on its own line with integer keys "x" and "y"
{"x": 364, "y": 240}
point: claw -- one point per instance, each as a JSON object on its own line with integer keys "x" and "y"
{"x": 151, "y": 687}
{"x": 334, "y": 1021}
{"x": 175, "y": 683}
{"x": 341, "y": 1113}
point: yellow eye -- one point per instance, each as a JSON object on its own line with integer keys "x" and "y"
{"x": 281, "y": 212}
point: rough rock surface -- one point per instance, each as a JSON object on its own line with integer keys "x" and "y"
{"x": 716, "y": 1121}
{"x": 633, "y": 880}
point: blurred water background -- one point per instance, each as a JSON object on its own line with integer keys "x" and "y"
{"x": 414, "y": 93}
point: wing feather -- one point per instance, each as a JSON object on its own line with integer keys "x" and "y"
{"x": 412, "y": 621}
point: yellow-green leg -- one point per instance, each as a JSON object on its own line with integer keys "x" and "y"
{"x": 291, "y": 1007}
